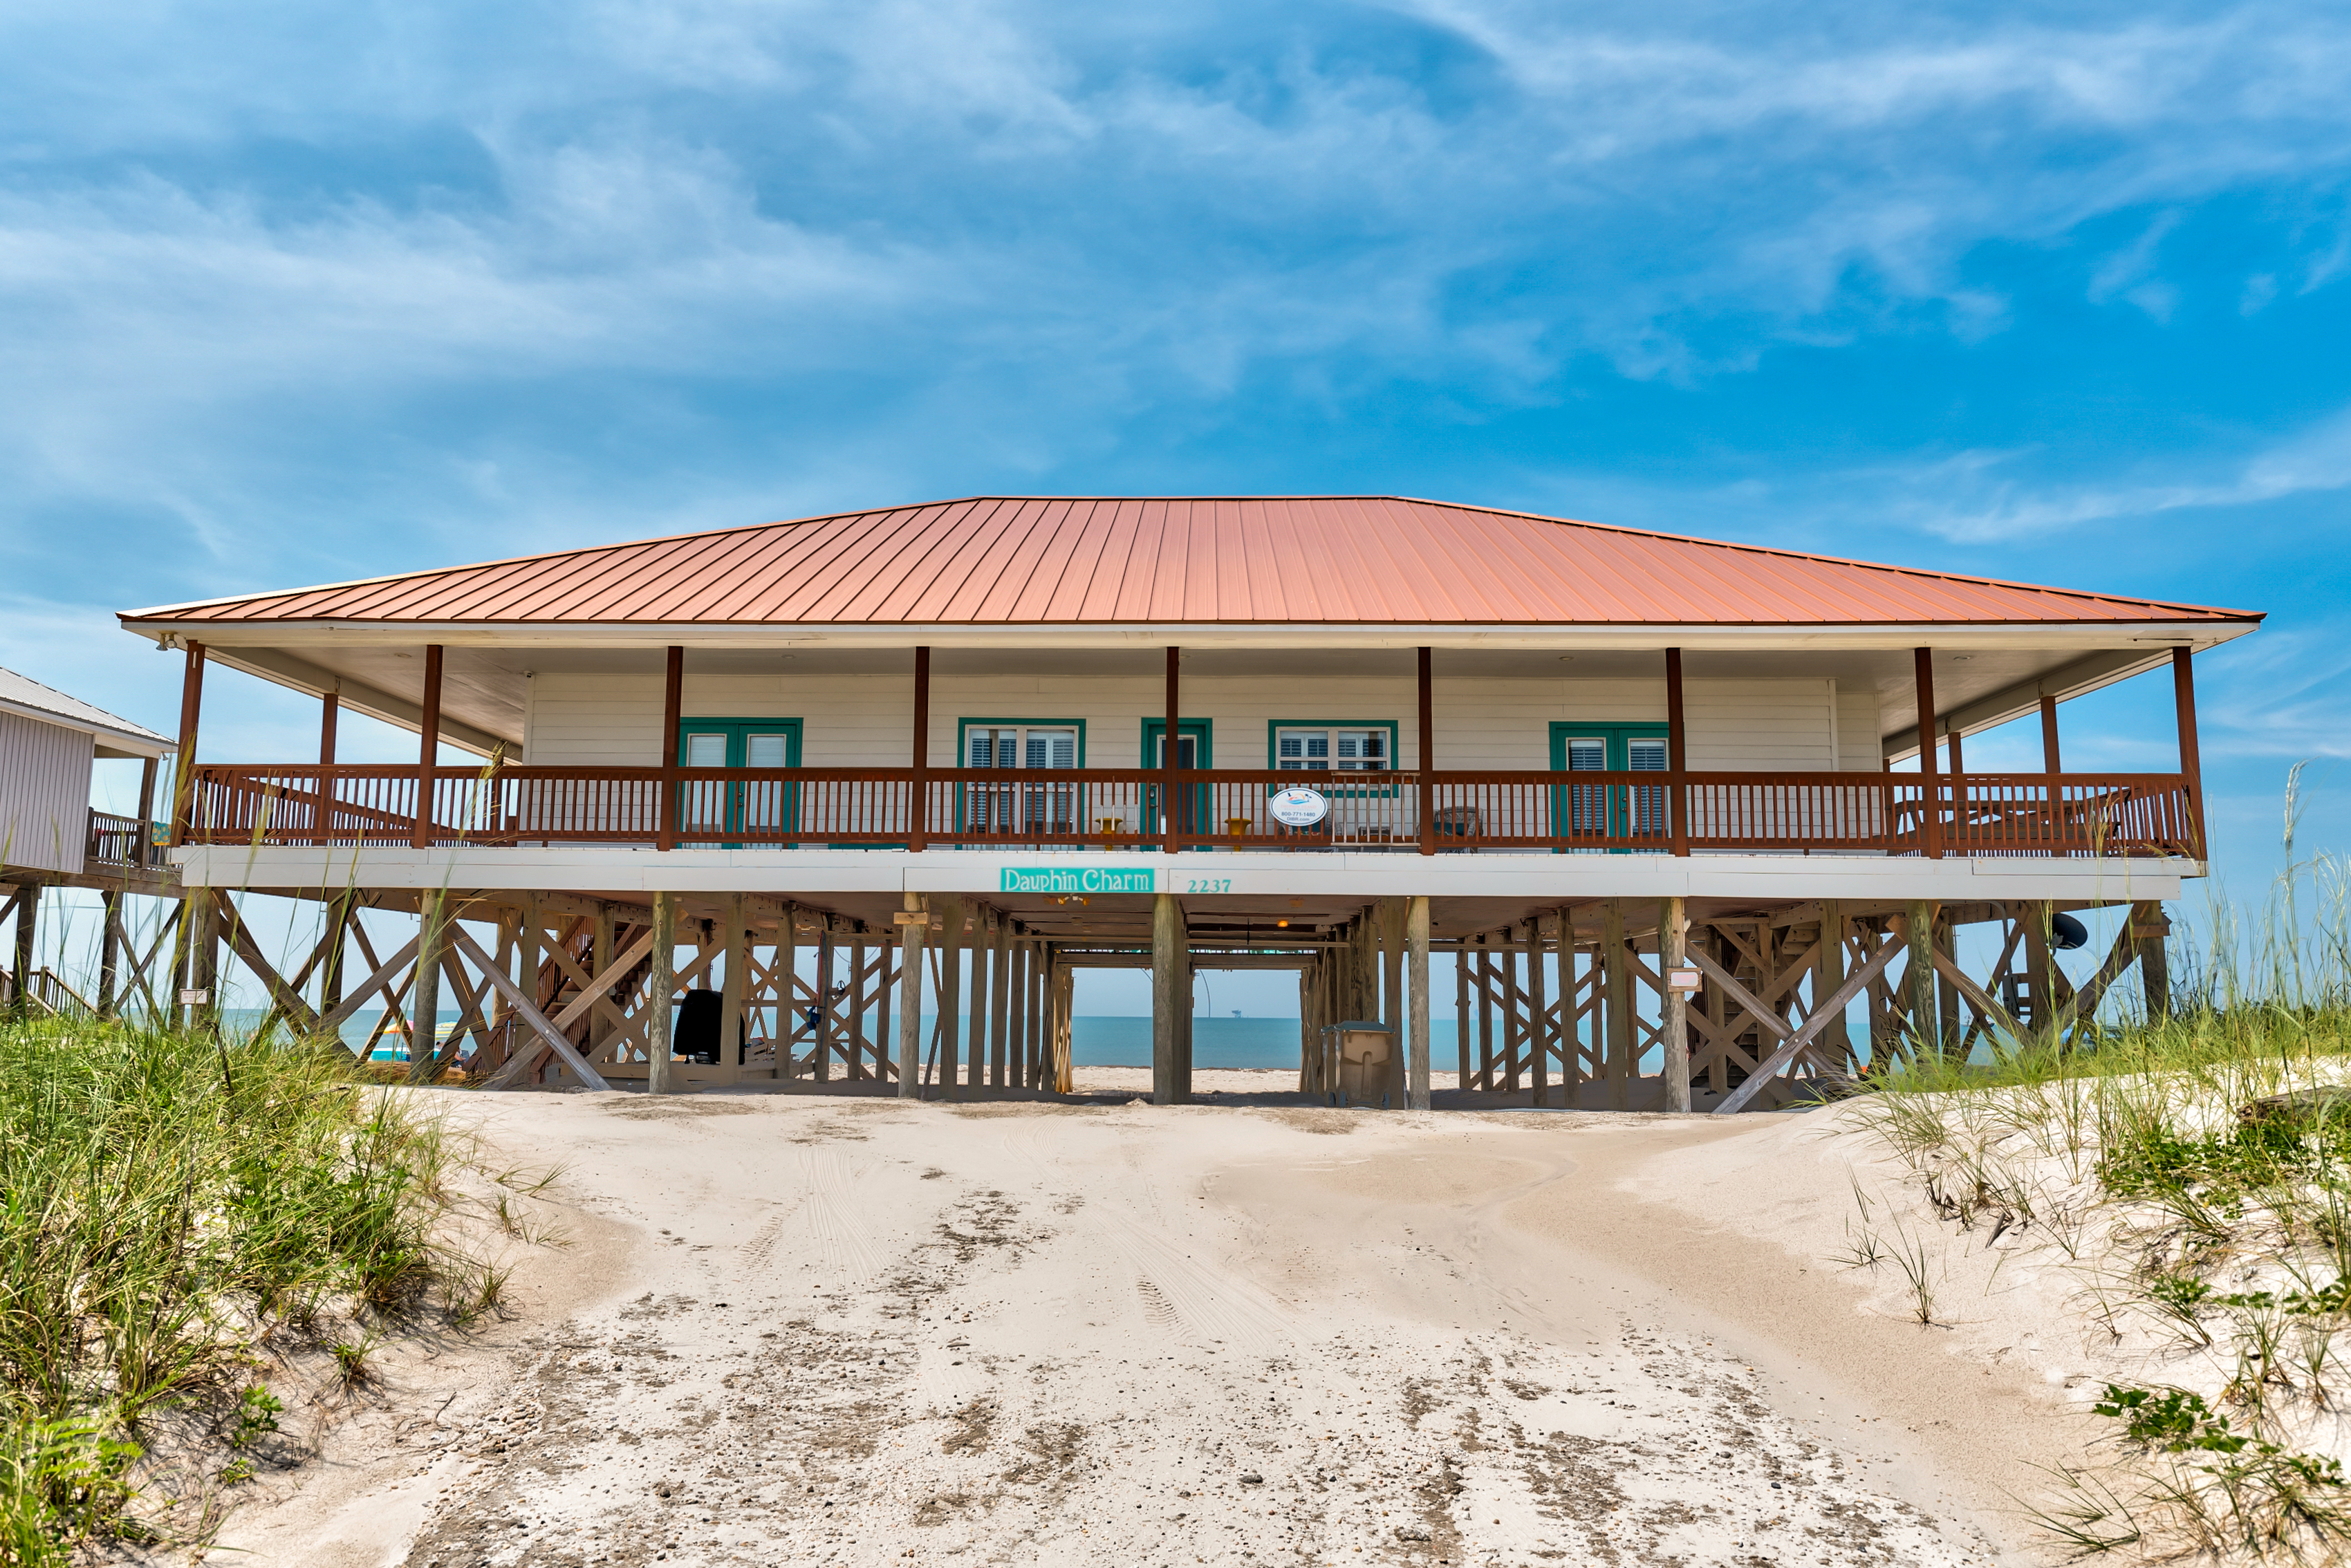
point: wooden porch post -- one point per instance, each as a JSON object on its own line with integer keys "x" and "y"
{"x": 659, "y": 987}
{"x": 2191, "y": 765}
{"x": 1676, "y": 752}
{"x": 2052, "y": 786}
{"x": 1673, "y": 953}
{"x": 914, "y": 926}
{"x": 184, "y": 784}
{"x": 673, "y": 715}
{"x": 1428, "y": 766}
{"x": 144, "y": 853}
{"x": 322, "y": 803}
{"x": 918, "y": 819}
{"x": 428, "y": 752}
{"x": 1167, "y": 991}
{"x": 1415, "y": 936}
{"x": 1169, "y": 750}
{"x": 1930, "y": 812}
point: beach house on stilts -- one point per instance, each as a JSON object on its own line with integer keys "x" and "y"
{"x": 847, "y": 801}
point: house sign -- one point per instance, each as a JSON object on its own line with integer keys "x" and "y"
{"x": 1074, "y": 879}
{"x": 1298, "y": 807}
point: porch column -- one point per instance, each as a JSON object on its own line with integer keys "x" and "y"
{"x": 661, "y": 987}
{"x": 1673, "y": 954}
{"x": 1168, "y": 988}
{"x": 1676, "y": 755}
{"x": 1415, "y": 936}
{"x": 425, "y": 1000}
{"x": 1428, "y": 764}
{"x": 2053, "y": 788}
{"x": 1930, "y": 790}
{"x": 913, "y": 924}
{"x": 673, "y": 716}
{"x": 428, "y": 750}
{"x": 143, "y": 852}
{"x": 918, "y": 817}
{"x": 322, "y": 801}
{"x": 2191, "y": 766}
{"x": 183, "y": 768}
{"x": 1170, "y": 751}
{"x": 2049, "y": 735}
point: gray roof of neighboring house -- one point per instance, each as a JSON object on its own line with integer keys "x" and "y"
{"x": 116, "y": 736}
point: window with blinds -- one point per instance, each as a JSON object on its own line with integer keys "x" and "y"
{"x": 1024, "y": 810}
{"x": 1334, "y": 750}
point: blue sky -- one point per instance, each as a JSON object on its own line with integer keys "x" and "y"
{"x": 291, "y": 293}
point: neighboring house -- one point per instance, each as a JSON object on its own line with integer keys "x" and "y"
{"x": 49, "y": 833}
{"x": 846, "y": 715}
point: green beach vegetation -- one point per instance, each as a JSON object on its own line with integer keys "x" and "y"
{"x": 2191, "y": 1174}
{"x": 182, "y": 1218}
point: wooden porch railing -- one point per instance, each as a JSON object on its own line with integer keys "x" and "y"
{"x": 118, "y": 844}
{"x": 1109, "y": 808}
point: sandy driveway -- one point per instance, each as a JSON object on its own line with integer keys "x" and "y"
{"x": 791, "y": 1328}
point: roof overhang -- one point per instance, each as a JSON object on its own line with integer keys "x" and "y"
{"x": 2088, "y": 636}
{"x": 112, "y": 740}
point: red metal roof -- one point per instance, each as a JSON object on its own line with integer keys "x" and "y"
{"x": 1333, "y": 560}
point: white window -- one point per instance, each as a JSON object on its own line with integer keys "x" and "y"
{"x": 1021, "y": 745}
{"x": 707, "y": 749}
{"x": 1333, "y": 750}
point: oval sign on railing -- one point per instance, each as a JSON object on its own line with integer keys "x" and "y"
{"x": 1297, "y": 807}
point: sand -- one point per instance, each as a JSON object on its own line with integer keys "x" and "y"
{"x": 793, "y": 1328}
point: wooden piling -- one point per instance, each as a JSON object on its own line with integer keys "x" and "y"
{"x": 1169, "y": 991}
{"x": 909, "y": 997}
{"x": 1673, "y": 935}
{"x": 661, "y": 986}
{"x": 424, "y": 1006}
{"x": 1416, "y": 941}
{"x": 1618, "y": 1011}
{"x": 1538, "y": 1013}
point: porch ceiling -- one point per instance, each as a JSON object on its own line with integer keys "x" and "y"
{"x": 484, "y": 689}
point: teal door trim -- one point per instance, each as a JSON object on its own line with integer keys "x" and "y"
{"x": 750, "y": 810}
{"x": 1612, "y": 809}
{"x": 1192, "y": 805}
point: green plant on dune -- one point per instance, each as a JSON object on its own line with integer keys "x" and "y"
{"x": 2194, "y": 1169}
{"x": 167, "y": 1202}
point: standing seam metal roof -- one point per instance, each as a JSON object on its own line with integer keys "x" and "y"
{"x": 1037, "y": 561}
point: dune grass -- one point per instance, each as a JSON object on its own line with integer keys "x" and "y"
{"x": 2194, "y": 1171}
{"x": 169, "y": 1202}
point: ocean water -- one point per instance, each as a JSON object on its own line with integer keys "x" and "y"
{"x": 1094, "y": 1041}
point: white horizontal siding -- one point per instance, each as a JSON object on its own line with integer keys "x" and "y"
{"x": 44, "y": 794}
{"x": 860, "y": 721}
{"x": 1857, "y": 742}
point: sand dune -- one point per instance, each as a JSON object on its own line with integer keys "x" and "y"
{"x": 799, "y": 1329}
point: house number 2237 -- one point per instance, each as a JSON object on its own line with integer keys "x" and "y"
{"x": 1207, "y": 884}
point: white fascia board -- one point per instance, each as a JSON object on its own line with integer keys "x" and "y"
{"x": 1539, "y": 877}
{"x": 136, "y": 742}
{"x": 2084, "y": 635}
